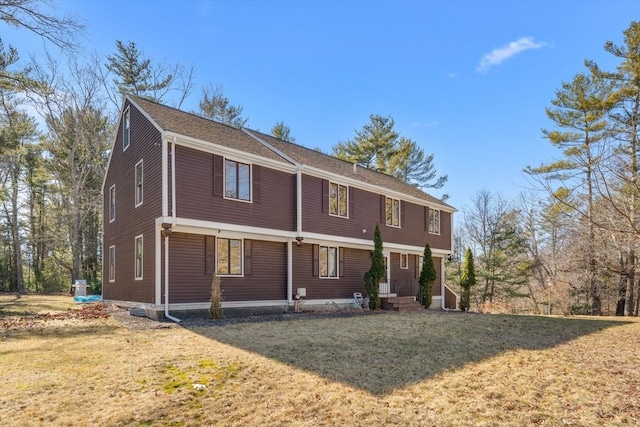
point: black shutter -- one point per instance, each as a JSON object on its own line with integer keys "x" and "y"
{"x": 352, "y": 213}
{"x": 426, "y": 218}
{"x": 255, "y": 170}
{"x": 341, "y": 262}
{"x": 383, "y": 210}
{"x": 315, "y": 270}
{"x": 325, "y": 195}
{"x": 247, "y": 257}
{"x": 218, "y": 175}
{"x": 209, "y": 254}
{"x": 402, "y": 206}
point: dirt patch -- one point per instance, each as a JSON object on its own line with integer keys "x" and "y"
{"x": 87, "y": 312}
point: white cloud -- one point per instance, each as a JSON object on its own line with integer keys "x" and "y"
{"x": 497, "y": 56}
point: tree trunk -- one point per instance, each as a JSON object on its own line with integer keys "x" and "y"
{"x": 15, "y": 226}
{"x": 629, "y": 297}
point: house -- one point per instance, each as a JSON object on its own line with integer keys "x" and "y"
{"x": 186, "y": 197}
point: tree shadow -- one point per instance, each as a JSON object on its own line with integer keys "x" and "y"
{"x": 385, "y": 352}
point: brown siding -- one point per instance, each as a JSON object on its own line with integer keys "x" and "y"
{"x": 274, "y": 208}
{"x": 449, "y": 299}
{"x": 437, "y": 283}
{"x": 356, "y": 263}
{"x": 366, "y": 214}
{"x": 131, "y": 221}
{"x": 189, "y": 283}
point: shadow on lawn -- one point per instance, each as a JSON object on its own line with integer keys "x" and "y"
{"x": 380, "y": 353}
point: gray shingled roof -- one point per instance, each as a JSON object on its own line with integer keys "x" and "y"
{"x": 174, "y": 120}
{"x": 344, "y": 168}
{"x": 191, "y": 125}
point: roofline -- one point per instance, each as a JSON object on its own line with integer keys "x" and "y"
{"x": 271, "y": 147}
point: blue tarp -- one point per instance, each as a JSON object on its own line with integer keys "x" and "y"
{"x": 88, "y": 298}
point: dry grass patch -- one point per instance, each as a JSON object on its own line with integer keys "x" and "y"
{"x": 387, "y": 369}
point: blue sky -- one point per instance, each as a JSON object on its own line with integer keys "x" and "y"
{"x": 467, "y": 80}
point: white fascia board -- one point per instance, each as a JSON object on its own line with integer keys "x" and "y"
{"x": 366, "y": 244}
{"x": 320, "y": 173}
{"x": 222, "y": 229}
{"x": 213, "y": 148}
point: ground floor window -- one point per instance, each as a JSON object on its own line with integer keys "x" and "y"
{"x": 139, "y": 257}
{"x": 328, "y": 261}
{"x": 404, "y": 261}
{"x": 112, "y": 263}
{"x": 229, "y": 257}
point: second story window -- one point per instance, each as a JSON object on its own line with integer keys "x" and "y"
{"x": 126, "y": 129}
{"x": 112, "y": 203}
{"x": 392, "y": 212}
{"x": 338, "y": 200}
{"x": 434, "y": 221}
{"x": 139, "y": 184}
{"x": 237, "y": 180}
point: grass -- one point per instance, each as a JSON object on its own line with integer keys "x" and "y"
{"x": 386, "y": 369}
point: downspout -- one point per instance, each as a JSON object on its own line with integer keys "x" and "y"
{"x": 168, "y": 231}
{"x": 442, "y": 287}
{"x": 166, "y": 279}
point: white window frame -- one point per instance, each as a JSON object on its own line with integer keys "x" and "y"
{"x": 386, "y": 206}
{"x": 434, "y": 221}
{"x": 112, "y": 203}
{"x": 337, "y": 262}
{"x": 135, "y": 188}
{"x": 405, "y": 257}
{"x": 135, "y": 257}
{"x": 112, "y": 263}
{"x": 224, "y": 188}
{"x": 337, "y": 213}
{"x": 241, "y": 274}
{"x": 126, "y": 129}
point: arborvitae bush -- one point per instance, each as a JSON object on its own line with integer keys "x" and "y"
{"x": 427, "y": 277}
{"x": 376, "y": 272}
{"x": 467, "y": 279}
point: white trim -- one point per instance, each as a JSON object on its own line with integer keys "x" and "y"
{"x": 211, "y": 228}
{"x": 337, "y": 215}
{"x": 271, "y": 147}
{"x": 112, "y": 200}
{"x": 126, "y": 115}
{"x": 165, "y": 177}
{"x": 436, "y": 233}
{"x": 290, "y": 271}
{"x": 399, "y": 212}
{"x": 135, "y": 258}
{"x": 299, "y": 200}
{"x": 135, "y": 182}
{"x": 406, "y": 255}
{"x": 224, "y": 180}
{"x": 229, "y": 259}
{"x": 158, "y": 258}
{"x": 222, "y": 150}
{"x": 114, "y": 264}
{"x": 323, "y": 174}
{"x": 337, "y": 276}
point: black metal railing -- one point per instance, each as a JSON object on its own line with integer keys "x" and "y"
{"x": 405, "y": 288}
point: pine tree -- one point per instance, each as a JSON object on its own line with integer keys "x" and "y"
{"x": 379, "y": 147}
{"x": 427, "y": 277}
{"x": 216, "y": 106}
{"x": 377, "y": 271}
{"x": 281, "y": 131}
{"x": 467, "y": 280}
